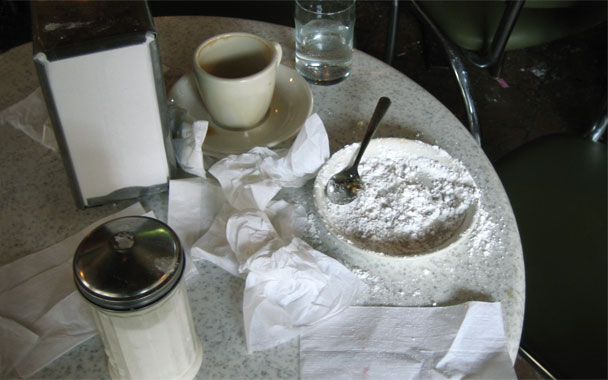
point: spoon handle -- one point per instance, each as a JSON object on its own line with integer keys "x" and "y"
{"x": 379, "y": 113}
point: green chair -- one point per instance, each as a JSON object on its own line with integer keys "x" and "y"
{"x": 480, "y": 32}
{"x": 475, "y": 26}
{"x": 557, "y": 188}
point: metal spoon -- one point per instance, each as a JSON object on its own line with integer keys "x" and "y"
{"x": 342, "y": 187}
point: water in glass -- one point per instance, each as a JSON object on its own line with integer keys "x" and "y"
{"x": 324, "y": 50}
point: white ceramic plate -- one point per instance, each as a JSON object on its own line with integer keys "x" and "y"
{"x": 436, "y": 205}
{"x": 290, "y": 107}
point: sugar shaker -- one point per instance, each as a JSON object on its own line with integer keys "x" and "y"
{"x": 130, "y": 272}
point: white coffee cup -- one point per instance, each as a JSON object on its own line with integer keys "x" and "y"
{"x": 235, "y": 74}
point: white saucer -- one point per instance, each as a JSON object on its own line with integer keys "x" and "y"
{"x": 343, "y": 221}
{"x": 290, "y": 107}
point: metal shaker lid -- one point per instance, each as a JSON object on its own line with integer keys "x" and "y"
{"x": 128, "y": 263}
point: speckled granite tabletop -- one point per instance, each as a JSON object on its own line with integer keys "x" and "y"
{"x": 37, "y": 208}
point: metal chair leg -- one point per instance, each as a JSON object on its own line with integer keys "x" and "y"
{"x": 492, "y": 57}
{"x": 392, "y": 33}
{"x": 598, "y": 129}
{"x": 459, "y": 69}
{"x": 534, "y": 363}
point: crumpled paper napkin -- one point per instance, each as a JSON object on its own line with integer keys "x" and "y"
{"x": 252, "y": 179}
{"x": 42, "y": 315}
{"x": 289, "y": 286}
{"x": 453, "y": 342}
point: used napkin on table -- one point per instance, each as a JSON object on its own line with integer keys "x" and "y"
{"x": 42, "y": 315}
{"x": 252, "y": 179}
{"x": 454, "y": 342}
{"x": 31, "y": 117}
{"x": 289, "y": 286}
{"x": 189, "y": 147}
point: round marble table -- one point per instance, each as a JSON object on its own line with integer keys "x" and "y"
{"x": 37, "y": 208}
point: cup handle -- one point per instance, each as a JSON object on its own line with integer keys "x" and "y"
{"x": 279, "y": 51}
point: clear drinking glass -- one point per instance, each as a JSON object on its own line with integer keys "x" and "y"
{"x": 324, "y": 39}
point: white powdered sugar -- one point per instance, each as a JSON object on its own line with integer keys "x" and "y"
{"x": 415, "y": 199}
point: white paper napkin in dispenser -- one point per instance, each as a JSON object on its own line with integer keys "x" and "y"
{"x": 102, "y": 81}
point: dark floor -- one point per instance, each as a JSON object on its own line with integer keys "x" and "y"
{"x": 553, "y": 88}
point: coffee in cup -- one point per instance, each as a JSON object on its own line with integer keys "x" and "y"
{"x": 235, "y": 74}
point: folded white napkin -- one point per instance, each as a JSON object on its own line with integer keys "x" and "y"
{"x": 42, "y": 315}
{"x": 189, "y": 147}
{"x": 31, "y": 117}
{"x": 454, "y": 342}
{"x": 289, "y": 285}
{"x": 193, "y": 205}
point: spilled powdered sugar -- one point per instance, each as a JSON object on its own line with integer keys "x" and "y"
{"x": 410, "y": 203}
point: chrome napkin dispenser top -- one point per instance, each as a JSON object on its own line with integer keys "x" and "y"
{"x": 99, "y": 69}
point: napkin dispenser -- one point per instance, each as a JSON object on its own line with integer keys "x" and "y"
{"x": 99, "y": 68}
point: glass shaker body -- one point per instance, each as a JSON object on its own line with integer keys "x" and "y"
{"x": 158, "y": 342}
